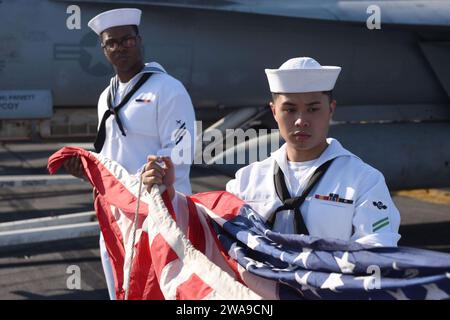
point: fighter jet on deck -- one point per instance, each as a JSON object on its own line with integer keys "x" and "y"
{"x": 393, "y": 93}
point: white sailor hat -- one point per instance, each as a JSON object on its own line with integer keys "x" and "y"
{"x": 115, "y": 18}
{"x": 302, "y": 74}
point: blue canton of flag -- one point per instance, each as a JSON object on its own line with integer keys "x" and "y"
{"x": 306, "y": 267}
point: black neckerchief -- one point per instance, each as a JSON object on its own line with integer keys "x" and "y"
{"x": 290, "y": 203}
{"x": 101, "y": 134}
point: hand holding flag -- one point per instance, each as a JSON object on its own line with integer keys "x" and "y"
{"x": 215, "y": 246}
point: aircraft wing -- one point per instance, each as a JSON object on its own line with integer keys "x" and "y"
{"x": 402, "y": 12}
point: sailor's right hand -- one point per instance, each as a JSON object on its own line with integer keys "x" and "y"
{"x": 74, "y": 167}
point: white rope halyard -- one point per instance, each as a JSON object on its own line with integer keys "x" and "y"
{"x": 135, "y": 224}
{"x": 194, "y": 262}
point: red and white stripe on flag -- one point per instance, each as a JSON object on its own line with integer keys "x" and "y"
{"x": 175, "y": 257}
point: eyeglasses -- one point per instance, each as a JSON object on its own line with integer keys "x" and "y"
{"x": 113, "y": 44}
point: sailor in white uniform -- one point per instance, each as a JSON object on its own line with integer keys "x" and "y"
{"x": 312, "y": 184}
{"x": 144, "y": 111}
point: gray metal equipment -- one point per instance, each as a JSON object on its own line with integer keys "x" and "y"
{"x": 398, "y": 74}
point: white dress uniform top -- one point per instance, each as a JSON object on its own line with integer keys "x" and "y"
{"x": 367, "y": 216}
{"x": 158, "y": 115}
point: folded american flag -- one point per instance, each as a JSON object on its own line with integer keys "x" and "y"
{"x": 217, "y": 247}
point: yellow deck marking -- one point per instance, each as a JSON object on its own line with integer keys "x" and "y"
{"x": 427, "y": 195}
